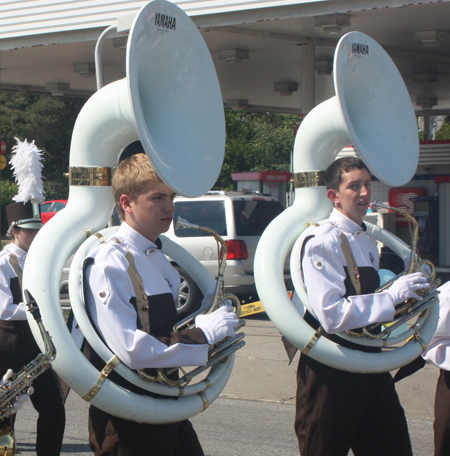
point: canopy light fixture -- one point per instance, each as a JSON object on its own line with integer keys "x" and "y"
{"x": 285, "y": 88}
{"x": 324, "y": 67}
{"x": 431, "y": 38}
{"x": 57, "y": 89}
{"x": 85, "y": 70}
{"x": 238, "y": 103}
{"x": 425, "y": 78}
{"x": 427, "y": 102}
{"x": 120, "y": 43}
{"x": 232, "y": 56}
{"x": 332, "y": 23}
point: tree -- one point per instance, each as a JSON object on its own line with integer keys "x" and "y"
{"x": 444, "y": 132}
{"x": 256, "y": 142}
{"x": 238, "y": 150}
{"x": 8, "y": 191}
{"x": 47, "y": 120}
{"x": 274, "y": 142}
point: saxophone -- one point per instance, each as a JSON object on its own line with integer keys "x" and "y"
{"x": 20, "y": 383}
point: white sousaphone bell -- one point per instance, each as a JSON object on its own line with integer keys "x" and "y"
{"x": 170, "y": 101}
{"x": 372, "y": 111}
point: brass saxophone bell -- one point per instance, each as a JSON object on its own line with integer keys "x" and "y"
{"x": 7, "y": 441}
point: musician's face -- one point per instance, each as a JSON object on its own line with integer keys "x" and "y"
{"x": 151, "y": 213}
{"x": 354, "y": 194}
{"x": 23, "y": 237}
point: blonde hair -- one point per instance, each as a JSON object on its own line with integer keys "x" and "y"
{"x": 130, "y": 177}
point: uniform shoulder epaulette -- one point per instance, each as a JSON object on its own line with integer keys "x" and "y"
{"x": 116, "y": 243}
{"x": 105, "y": 249}
{"x": 323, "y": 230}
{"x": 328, "y": 233}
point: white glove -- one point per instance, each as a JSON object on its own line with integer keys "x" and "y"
{"x": 20, "y": 399}
{"x": 217, "y": 325}
{"x": 406, "y": 286}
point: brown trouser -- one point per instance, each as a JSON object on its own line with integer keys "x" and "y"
{"x": 112, "y": 436}
{"x": 338, "y": 410}
{"x": 442, "y": 415}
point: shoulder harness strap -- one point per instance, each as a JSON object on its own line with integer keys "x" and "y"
{"x": 139, "y": 292}
{"x": 14, "y": 262}
{"x": 352, "y": 267}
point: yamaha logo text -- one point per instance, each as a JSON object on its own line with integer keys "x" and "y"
{"x": 360, "y": 49}
{"x": 168, "y": 22}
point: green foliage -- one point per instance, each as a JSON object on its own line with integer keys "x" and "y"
{"x": 49, "y": 122}
{"x": 55, "y": 190}
{"x": 8, "y": 191}
{"x": 256, "y": 142}
{"x": 444, "y": 132}
{"x": 274, "y": 141}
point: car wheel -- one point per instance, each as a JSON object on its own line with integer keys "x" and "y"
{"x": 190, "y": 296}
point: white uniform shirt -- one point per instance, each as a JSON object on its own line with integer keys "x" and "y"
{"x": 438, "y": 351}
{"x": 114, "y": 315}
{"x": 8, "y": 309}
{"x": 324, "y": 275}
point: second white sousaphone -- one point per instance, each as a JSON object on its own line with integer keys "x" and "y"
{"x": 372, "y": 111}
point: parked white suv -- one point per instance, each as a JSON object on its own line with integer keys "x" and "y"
{"x": 240, "y": 219}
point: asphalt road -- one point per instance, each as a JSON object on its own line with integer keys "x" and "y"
{"x": 254, "y": 414}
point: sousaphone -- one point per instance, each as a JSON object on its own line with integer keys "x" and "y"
{"x": 170, "y": 101}
{"x": 372, "y": 111}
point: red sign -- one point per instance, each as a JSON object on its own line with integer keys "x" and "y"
{"x": 401, "y": 197}
{"x": 2, "y": 147}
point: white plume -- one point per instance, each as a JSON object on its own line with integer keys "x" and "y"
{"x": 27, "y": 166}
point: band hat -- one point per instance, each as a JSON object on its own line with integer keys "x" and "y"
{"x": 23, "y": 215}
{"x": 26, "y": 164}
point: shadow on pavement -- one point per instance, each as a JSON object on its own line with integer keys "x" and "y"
{"x": 256, "y": 317}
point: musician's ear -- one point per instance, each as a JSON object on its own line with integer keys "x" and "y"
{"x": 333, "y": 195}
{"x": 125, "y": 202}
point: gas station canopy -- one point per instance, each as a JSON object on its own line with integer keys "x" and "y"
{"x": 269, "y": 55}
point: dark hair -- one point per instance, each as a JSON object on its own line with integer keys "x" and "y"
{"x": 333, "y": 174}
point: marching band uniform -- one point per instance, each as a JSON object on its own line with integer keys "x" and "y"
{"x": 438, "y": 353}
{"x": 338, "y": 410}
{"x": 18, "y": 348}
{"x": 17, "y": 344}
{"x": 139, "y": 339}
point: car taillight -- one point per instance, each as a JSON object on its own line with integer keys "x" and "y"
{"x": 237, "y": 250}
